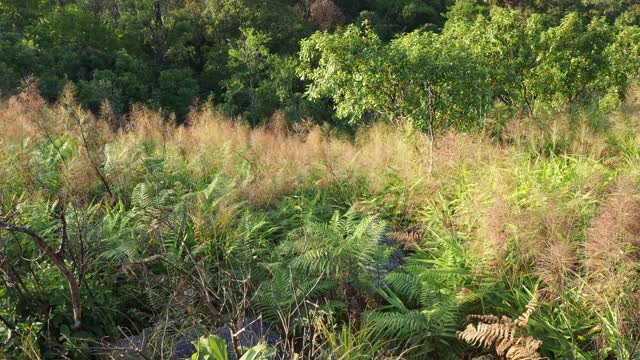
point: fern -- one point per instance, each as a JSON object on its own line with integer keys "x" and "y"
{"x": 396, "y": 325}
{"x": 406, "y": 284}
{"x": 283, "y": 294}
{"x": 504, "y": 333}
{"x": 427, "y": 296}
{"x": 343, "y": 248}
{"x": 47, "y": 159}
{"x": 409, "y": 238}
{"x": 321, "y": 263}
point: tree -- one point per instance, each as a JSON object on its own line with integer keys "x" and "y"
{"x": 225, "y": 19}
{"x": 176, "y": 91}
{"x": 444, "y": 78}
{"x": 15, "y": 15}
{"x": 17, "y": 61}
{"x": 391, "y": 17}
{"x": 572, "y": 63}
{"x": 340, "y": 66}
{"x": 504, "y": 41}
{"x": 248, "y": 62}
{"x": 533, "y": 64}
{"x": 624, "y": 59}
{"x": 420, "y": 77}
{"x": 327, "y": 14}
{"x": 125, "y": 84}
{"x": 162, "y": 30}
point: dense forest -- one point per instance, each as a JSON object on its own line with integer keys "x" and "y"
{"x": 319, "y": 179}
{"x": 251, "y": 58}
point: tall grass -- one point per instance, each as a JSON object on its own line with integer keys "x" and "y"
{"x": 552, "y": 201}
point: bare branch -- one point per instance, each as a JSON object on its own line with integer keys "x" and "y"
{"x": 63, "y": 233}
{"x": 58, "y": 262}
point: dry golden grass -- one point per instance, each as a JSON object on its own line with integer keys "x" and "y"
{"x": 613, "y": 240}
{"x": 18, "y": 114}
{"x": 267, "y": 160}
{"x": 264, "y": 161}
{"x": 614, "y": 234}
{"x": 495, "y": 232}
{"x": 270, "y": 160}
{"x": 555, "y": 266}
{"x": 612, "y": 257}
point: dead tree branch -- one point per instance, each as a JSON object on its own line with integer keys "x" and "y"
{"x": 58, "y": 262}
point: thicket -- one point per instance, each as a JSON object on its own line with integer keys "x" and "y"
{"x": 175, "y": 168}
{"x": 172, "y": 230}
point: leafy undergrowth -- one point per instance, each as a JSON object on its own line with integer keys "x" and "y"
{"x": 373, "y": 247}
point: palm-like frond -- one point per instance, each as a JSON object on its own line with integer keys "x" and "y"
{"x": 319, "y": 258}
{"x": 505, "y": 334}
{"x": 342, "y": 247}
{"x": 425, "y": 299}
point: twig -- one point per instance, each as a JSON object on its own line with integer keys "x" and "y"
{"x": 99, "y": 173}
{"x": 63, "y": 233}
{"x": 58, "y": 262}
{"x": 7, "y": 323}
{"x": 127, "y": 267}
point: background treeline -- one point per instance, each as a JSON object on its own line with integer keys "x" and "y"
{"x": 166, "y": 53}
{"x": 434, "y": 62}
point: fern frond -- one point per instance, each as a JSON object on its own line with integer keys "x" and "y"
{"x": 523, "y": 320}
{"x": 405, "y": 285}
{"x": 409, "y": 238}
{"x": 485, "y": 335}
{"x": 399, "y": 325}
{"x": 525, "y": 349}
{"x": 141, "y": 197}
{"x": 487, "y": 319}
{"x": 504, "y": 333}
{"x": 313, "y": 261}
